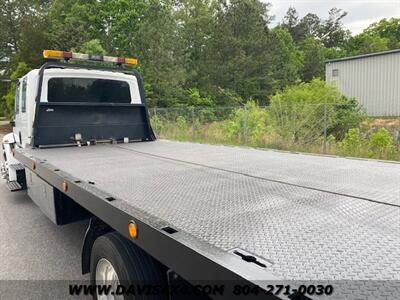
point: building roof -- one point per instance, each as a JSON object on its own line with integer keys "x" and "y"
{"x": 362, "y": 56}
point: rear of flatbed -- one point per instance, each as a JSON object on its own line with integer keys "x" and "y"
{"x": 201, "y": 208}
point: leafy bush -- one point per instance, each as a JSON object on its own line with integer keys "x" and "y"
{"x": 298, "y": 112}
{"x": 294, "y": 121}
{"x": 347, "y": 115}
{"x": 249, "y": 124}
{"x": 252, "y": 126}
{"x": 331, "y": 139}
{"x": 199, "y": 105}
{"x": 381, "y": 144}
{"x": 181, "y": 123}
{"x": 157, "y": 123}
{"x": 194, "y": 98}
{"x": 353, "y": 143}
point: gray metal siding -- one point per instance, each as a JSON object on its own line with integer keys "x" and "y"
{"x": 373, "y": 81}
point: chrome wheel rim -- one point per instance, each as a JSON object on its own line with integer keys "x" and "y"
{"x": 106, "y": 275}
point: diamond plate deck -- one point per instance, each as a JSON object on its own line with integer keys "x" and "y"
{"x": 370, "y": 179}
{"x": 286, "y": 208}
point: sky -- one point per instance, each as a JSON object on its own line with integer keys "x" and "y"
{"x": 361, "y": 13}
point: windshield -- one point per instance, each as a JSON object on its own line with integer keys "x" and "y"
{"x": 88, "y": 90}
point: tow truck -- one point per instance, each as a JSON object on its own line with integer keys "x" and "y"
{"x": 171, "y": 212}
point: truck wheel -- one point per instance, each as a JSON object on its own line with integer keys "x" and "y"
{"x": 118, "y": 262}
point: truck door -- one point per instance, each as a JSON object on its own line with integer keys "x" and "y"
{"x": 21, "y": 116}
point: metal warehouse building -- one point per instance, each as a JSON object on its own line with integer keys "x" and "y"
{"x": 373, "y": 79}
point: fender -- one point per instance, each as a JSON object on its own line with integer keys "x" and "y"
{"x": 96, "y": 228}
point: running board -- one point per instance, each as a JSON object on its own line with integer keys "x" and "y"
{"x": 19, "y": 170}
{"x": 14, "y": 186}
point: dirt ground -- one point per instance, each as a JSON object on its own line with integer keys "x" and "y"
{"x": 5, "y": 127}
{"x": 385, "y": 122}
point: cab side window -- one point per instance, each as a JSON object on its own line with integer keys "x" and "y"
{"x": 23, "y": 95}
{"x": 17, "y": 91}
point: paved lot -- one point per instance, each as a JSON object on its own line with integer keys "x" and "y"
{"x": 33, "y": 248}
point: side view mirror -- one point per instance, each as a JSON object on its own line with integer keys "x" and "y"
{"x": 12, "y": 123}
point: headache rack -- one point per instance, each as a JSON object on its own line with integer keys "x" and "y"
{"x": 59, "y": 123}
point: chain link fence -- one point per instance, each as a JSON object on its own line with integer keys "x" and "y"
{"x": 318, "y": 128}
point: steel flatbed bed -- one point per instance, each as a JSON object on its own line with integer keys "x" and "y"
{"x": 304, "y": 217}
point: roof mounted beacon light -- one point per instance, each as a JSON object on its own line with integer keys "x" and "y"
{"x": 66, "y": 55}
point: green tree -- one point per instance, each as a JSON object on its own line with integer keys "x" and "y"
{"x": 160, "y": 54}
{"x": 291, "y": 20}
{"x": 287, "y": 58}
{"x": 72, "y": 23}
{"x": 309, "y": 26}
{"x": 365, "y": 43}
{"x": 300, "y": 29}
{"x": 331, "y": 31}
{"x": 195, "y": 19}
{"x": 22, "y": 37}
{"x": 313, "y": 65}
{"x": 291, "y": 23}
{"x": 11, "y": 13}
{"x": 118, "y": 22}
{"x": 33, "y": 40}
{"x": 239, "y": 50}
{"x": 9, "y": 98}
{"x": 189, "y": 51}
{"x": 331, "y": 53}
{"x": 388, "y": 29}
{"x": 381, "y": 36}
{"x": 21, "y": 32}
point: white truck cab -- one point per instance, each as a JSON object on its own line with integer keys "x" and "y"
{"x": 62, "y": 104}
{"x": 67, "y": 85}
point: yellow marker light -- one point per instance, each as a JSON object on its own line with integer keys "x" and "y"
{"x": 131, "y": 61}
{"x": 133, "y": 231}
{"x": 53, "y": 53}
{"x": 65, "y": 186}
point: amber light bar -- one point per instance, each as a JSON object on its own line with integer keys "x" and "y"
{"x": 57, "y": 54}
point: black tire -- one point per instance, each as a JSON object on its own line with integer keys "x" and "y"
{"x": 132, "y": 265}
